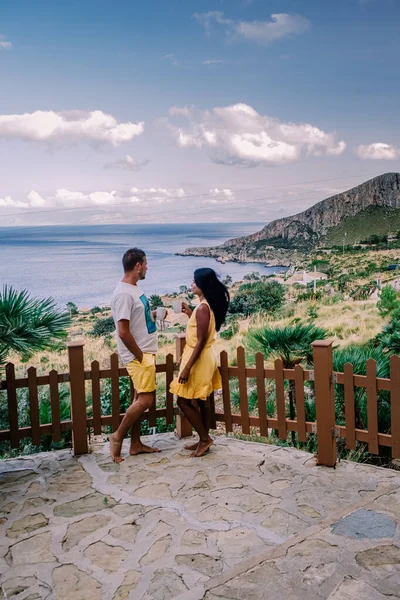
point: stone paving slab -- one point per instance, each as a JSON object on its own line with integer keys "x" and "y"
{"x": 164, "y": 526}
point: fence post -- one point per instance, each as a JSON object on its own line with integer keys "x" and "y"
{"x": 324, "y": 402}
{"x": 183, "y": 427}
{"x": 78, "y": 397}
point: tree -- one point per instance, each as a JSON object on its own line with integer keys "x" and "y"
{"x": 292, "y": 344}
{"x": 227, "y": 280}
{"x": 72, "y": 308}
{"x": 388, "y": 301}
{"x": 28, "y": 324}
{"x": 256, "y": 297}
{"x": 155, "y": 301}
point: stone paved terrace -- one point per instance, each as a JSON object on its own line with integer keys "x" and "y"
{"x": 248, "y": 521}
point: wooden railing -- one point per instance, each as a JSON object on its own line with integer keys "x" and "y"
{"x": 256, "y": 421}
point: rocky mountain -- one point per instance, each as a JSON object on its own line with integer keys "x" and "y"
{"x": 279, "y": 241}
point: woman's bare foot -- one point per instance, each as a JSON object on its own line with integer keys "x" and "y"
{"x": 191, "y": 446}
{"x": 115, "y": 449}
{"x": 141, "y": 449}
{"x": 202, "y": 448}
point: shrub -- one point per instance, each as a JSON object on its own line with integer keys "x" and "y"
{"x": 388, "y": 301}
{"x": 103, "y": 327}
{"x": 257, "y": 297}
{"x": 155, "y": 301}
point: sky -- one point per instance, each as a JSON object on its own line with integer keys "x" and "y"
{"x": 194, "y": 111}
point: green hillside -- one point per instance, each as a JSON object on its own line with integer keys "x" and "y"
{"x": 377, "y": 220}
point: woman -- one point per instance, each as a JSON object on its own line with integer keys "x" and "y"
{"x": 199, "y": 374}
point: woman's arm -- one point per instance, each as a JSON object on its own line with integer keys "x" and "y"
{"x": 203, "y": 322}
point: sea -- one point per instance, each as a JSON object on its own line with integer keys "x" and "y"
{"x": 82, "y": 264}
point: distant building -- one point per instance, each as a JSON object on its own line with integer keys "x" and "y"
{"x": 306, "y": 277}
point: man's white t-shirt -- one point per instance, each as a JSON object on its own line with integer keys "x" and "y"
{"x": 130, "y": 303}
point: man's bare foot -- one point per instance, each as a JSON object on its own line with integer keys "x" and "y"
{"x": 202, "y": 448}
{"x": 141, "y": 449}
{"x": 115, "y": 450}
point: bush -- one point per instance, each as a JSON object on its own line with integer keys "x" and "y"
{"x": 72, "y": 308}
{"x": 103, "y": 327}
{"x": 388, "y": 301}
{"x": 257, "y": 297}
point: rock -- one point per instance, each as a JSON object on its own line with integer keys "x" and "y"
{"x": 2, "y": 521}
{"x": 126, "y": 533}
{"x": 280, "y": 484}
{"x": 351, "y": 589}
{"x": 7, "y": 508}
{"x": 17, "y": 585}
{"x": 365, "y": 524}
{"x": 207, "y": 565}
{"x": 26, "y": 525}
{"x": 310, "y": 547}
{"x": 129, "y": 583}
{"x": 80, "y": 529}
{"x": 72, "y": 584}
{"x": 229, "y": 481}
{"x": 191, "y": 537}
{"x": 166, "y": 585}
{"x": 238, "y": 542}
{"x": 91, "y": 503}
{"x": 125, "y": 510}
{"x": 308, "y": 511}
{"x": 379, "y": 556}
{"x": 69, "y": 482}
{"x": 159, "y": 463}
{"x": 105, "y": 556}
{"x": 157, "y": 551}
{"x": 284, "y": 523}
{"x": 35, "y": 502}
{"x": 33, "y": 550}
{"x": 160, "y": 492}
{"x": 17, "y": 478}
{"x": 254, "y": 585}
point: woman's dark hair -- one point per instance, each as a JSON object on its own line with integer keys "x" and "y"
{"x": 214, "y": 292}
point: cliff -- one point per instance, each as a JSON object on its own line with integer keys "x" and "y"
{"x": 280, "y": 240}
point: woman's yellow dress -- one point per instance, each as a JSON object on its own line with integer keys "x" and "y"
{"x": 204, "y": 375}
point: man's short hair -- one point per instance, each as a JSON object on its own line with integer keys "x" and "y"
{"x": 131, "y": 258}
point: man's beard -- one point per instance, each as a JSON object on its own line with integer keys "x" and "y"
{"x": 142, "y": 276}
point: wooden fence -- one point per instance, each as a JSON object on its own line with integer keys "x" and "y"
{"x": 322, "y": 376}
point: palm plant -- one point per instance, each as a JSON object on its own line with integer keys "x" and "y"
{"x": 358, "y": 357}
{"x": 28, "y": 324}
{"x": 292, "y": 344}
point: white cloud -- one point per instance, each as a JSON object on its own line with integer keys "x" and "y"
{"x": 129, "y": 163}
{"x": 8, "y": 202}
{"x": 238, "y": 134}
{"x": 70, "y": 126}
{"x": 212, "y": 61}
{"x": 172, "y": 59}
{"x": 220, "y": 196}
{"x": 4, "y": 44}
{"x": 378, "y": 151}
{"x": 64, "y": 198}
{"x": 281, "y": 25}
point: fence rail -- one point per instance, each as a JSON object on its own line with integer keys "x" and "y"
{"x": 294, "y": 383}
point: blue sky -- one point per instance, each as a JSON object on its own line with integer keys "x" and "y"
{"x": 178, "y": 111}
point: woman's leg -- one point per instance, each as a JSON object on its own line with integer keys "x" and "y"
{"x": 205, "y": 411}
{"x": 194, "y": 417}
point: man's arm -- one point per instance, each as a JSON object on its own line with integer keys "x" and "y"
{"x": 203, "y": 322}
{"x": 128, "y": 339}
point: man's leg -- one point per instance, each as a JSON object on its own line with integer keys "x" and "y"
{"x": 137, "y": 447}
{"x": 132, "y": 415}
{"x": 194, "y": 417}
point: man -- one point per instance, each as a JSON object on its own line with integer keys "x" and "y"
{"x": 137, "y": 346}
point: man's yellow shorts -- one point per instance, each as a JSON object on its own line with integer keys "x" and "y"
{"x": 143, "y": 374}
